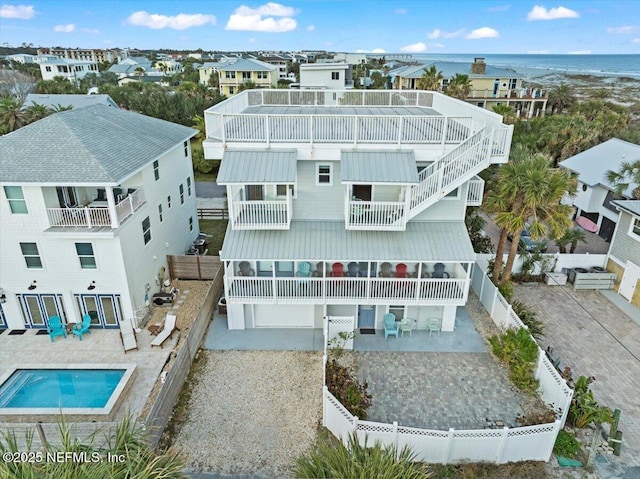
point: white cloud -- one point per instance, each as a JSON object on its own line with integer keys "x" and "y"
{"x": 635, "y": 40}
{"x": 252, "y": 40}
{"x": 94, "y": 31}
{"x": 580, "y": 52}
{"x": 401, "y": 11}
{"x": 262, "y": 19}
{"x": 64, "y": 28}
{"x": 437, "y": 33}
{"x": 23, "y": 12}
{"x": 181, "y": 21}
{"x": 541, "y": 13}
{"x": 538, "y": 52}
{"x": 375, "y": 50}
{"x": 484, "y": 32}
{"x": 414, "y": 48}
{"x": 499, "y": 8}
{"x": 311, "y": 28}
{"x": 621, "y": 30}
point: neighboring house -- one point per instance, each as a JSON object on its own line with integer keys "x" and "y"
{"x": 234, "y": 73}
{"x": 594, "y": 195}
{"x": 207, "y": 69}
{"x": 278, "y": 62}
{"x": 158, "y": 79}
{"x": 490, "y": 85}
{"x": 74, "y": 101}
{"x": 624, "y": 252}
{"x": 22, "y": 58}
{"x": 99, "y": 56}
{"x": 351, "y": 204}
{"x": 72, "y": 70}
{"x": 92, "y": 200}
{"x": 350, "y": 58}
{"x": 330, "y": 76}
{"x": 169, "y": 67}
{"x": 129, "y": 67}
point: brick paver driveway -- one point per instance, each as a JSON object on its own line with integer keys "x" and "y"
{"x": 594, "y": 338}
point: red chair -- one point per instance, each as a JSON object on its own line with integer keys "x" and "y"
{"x": 401, "y": 271}
{"x": 337, "y": 270}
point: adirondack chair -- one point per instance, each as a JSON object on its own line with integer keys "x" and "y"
{"x": 439, "y": 272}
{"x": 83, "y": 327}
{"x": 353, "y": 270}
{"x": 304, "y": 270}
{"x": 390, "y": 326}
{"x": 401, "y": 271}
{"x": 55, "y": 327}
{"x": 385, "y": 271}
{"x": 337, "y": 270}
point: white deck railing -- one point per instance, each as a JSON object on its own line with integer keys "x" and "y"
{"x": 346, "y": 290}
{"x": 130, "y": 204}
{"x": 475, "y": 191}
{"x": 271, "y": 214}
{"x": 379, "y": 215}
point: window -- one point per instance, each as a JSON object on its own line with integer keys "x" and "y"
{"x": 189, "y": 186}
{"x": 335, "y": 75}
{"x": 16, "y": 199}
{"x": 86, "y": 256}
{"x": 261, "y": 75}
{"x": 160, "y": 213}
{"x": 230, "y": 75}
{"x": 635, "y": 228}
{"x": 281, "y": 190}
{"x": 31, "y": 255}
{"x": 47, "y": 69}
{"x": 156, "y": 170}
{"x": 191, "y": 223}
{"x": 323, "y": 174}
{"x": 181, "y": 194}
{"x": 146, "y": 230}
{"x": 512, "y": 83}
{"x": 246, "y": 75}
{"x": 169, "y": 201}
{"x": 186, "y": 149}
{"x": 231, "y": 90}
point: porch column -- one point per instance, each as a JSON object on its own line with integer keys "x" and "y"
{"x": 530, "y": 115}
{"x": 111, "y": 203}
{"x": 448, "y": 317}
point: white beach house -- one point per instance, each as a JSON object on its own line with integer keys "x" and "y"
{"x": 91, "y": 202}
{"x": 349, "y": 203}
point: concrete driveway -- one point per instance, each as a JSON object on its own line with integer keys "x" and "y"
{"x": 594, "y": 337}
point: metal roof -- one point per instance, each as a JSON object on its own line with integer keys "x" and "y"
{"x": 247, "y": 65}
{"x": 592, "y": 165}
{"x": 257, "y": 166}
{"x": 75, "y": 101}
{"x": 378, "y": 167}
{"x": 330, "y": 241}
{"x": 450, "y": 69}
{"x": 630, "y": 206}
{"x": 92, "y": 145}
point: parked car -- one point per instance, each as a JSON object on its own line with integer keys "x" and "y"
{"x": 528, "y": 244}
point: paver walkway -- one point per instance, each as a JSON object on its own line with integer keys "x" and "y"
{"x": 438, "y": 390}
{"x": 593, "y": 337}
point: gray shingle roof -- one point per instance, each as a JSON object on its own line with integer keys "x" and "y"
{"x": 257, "y": 166}
{"x": 93, "y": 145}
{"x": 592, "y": 165}
{"x": 329, "y": 240}
{"x": 378, "y": 167}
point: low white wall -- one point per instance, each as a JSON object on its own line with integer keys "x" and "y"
{"x": 558, "y": 261}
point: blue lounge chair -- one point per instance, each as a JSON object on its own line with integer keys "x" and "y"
{"x": 55, "y": 327}
{"x": 390, "y": 326}
{"x": 304, "y": 270}
{"x": 83, "y": 327}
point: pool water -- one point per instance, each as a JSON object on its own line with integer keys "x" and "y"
{"x": 59, "y": 388}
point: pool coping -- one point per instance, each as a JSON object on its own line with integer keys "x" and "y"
{"x": 106, "y": 413}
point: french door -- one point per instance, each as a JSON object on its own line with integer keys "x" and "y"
{"x": 105, "y": 309}
{"x": 37, "y": 308}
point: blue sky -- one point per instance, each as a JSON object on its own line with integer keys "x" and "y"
{"x": 428, "y": 26}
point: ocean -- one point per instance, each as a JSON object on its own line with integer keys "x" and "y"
{"x": 535, "y": 65}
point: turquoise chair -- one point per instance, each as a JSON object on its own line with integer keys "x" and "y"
{"x": 83, "y": 327}
{"x": 304, "y": 270}
{"x": 390, "y": 326}
{"x": 55, "y": 327}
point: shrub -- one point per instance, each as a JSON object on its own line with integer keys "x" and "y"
{"x": 506, "y": 290}
{"x": 332, "y": 459}
{"x": 533, "y": 418}
{"x": 343, "y": 384}
{"x": 566, "y": 444}
{"x": 200, "y": 165}
{"x": 518, "y": 350}
{"x": 529, "y": 317}
{"x": 584, "y": 409}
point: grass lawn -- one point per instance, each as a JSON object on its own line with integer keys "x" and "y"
{"x": 216, "y": 230}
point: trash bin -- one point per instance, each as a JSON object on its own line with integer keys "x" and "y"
{"x": 222, "y": 307}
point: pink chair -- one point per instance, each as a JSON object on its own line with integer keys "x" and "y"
{"x": 337, "y": 270}
{"x": 401, "y": 271}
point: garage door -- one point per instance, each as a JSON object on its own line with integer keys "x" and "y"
{"x": 278, "y": 316}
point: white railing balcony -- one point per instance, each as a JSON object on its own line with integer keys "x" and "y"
{"x": 376, "y": 215}
{"x": 433, "y": 291}
{"x": 127, "y": 206}
{"x": 475, "y": 191}
{"x": 260, "y": 215}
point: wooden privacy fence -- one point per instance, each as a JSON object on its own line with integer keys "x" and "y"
{"x": 213, "y": 213}
{"x": 193, "y": 266}
{"x": 162, "y": 408}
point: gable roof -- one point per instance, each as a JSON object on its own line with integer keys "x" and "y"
{"x": 450, "y": 69}
{"x": 396, "y": 167}
{"x": 248, "y": 65}
{"x": 592, "y": 165}
{"x": 92, "y": 145}
{"x": 257, "y": 166}
{"x": 630, "y": 206}
{"x": 76, "y": 101}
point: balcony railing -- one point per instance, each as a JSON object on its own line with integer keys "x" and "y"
{"x": 347, "y": 290}
{"x": 268, "y": 215}
{"x": 514, "y": 93}
{"x": 475, "y": 191}
{"x": 378, "y": 215}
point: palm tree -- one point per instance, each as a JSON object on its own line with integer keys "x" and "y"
{"x": 507, "y": 112}
{"x": 36, "y": 112}
{"x": 528, "y": 190}
{"x": 11, "y": 115}
{"x": 459, "y": 87}
{"x": 561, "y": 97}
{"x": 627, "y": 176}
{"x": 140, "y": 72}
{"x": 572, "y": 236}
{"x": 430, "y": 80}
{"x": 248, "y": 85}
{"x": 198, "y": 124}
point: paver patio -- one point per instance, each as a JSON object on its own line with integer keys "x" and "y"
{"x": 595, "y": 338}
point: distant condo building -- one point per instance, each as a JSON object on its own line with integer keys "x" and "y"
{"x": 72, "y": 70}
{"x": 99, "y": 56}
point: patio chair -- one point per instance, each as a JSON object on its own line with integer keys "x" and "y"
{"x": 406, "y": 325}
{"x": 55, "y": 327}
{"x": 423, "y": 272}
{"x": 167, "y": 332}
{"x": 434, "y": 326}
{"x": 390, "y": 326}
{"x": 245, "y": 269}
{"x": 401, "y": 271}
{"x": 102, "y": 195}
{"x": 439, "y": 272}
{"x": 337, "y": 270}
{"x": 319, "y": 272}
{"x": 128, "y": 338}
{"x": 304, "y": 270}
{"x": 385, "y": 271}
{"x": 83, "y": 327}
{"x": 353, "y": 270}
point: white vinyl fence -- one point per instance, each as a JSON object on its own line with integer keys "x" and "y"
{"x": 556, "y": 262}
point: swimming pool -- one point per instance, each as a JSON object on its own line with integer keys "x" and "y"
{"x": 81, "y": 391}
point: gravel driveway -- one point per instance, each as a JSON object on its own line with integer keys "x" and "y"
{"x": 252, "y": 412}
